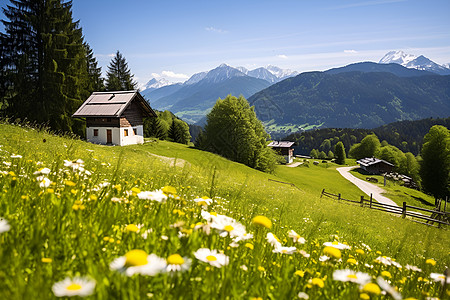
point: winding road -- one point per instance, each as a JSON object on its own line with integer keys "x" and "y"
{"x": 365, "y": 186}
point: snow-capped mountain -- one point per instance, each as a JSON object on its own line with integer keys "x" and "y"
{"x": 195, "y": 78}
{"x": 281, "y": 73}
{"x": 221, "y": 73}
{"x": 154, "y": 84}
{"x": 414, "y": 62}
{"x": 270, "y": 73}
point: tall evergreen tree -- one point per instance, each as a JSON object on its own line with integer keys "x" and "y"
{"x": 45, "y": 59}
{"x": 435, "y": 165}
{"x": 95, "y": 80}
{"x": 119, "y": 77}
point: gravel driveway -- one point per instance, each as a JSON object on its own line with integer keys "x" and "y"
{"x": 365, "y": 186}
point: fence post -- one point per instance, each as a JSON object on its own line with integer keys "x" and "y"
{"x": 370, "y": 205}
{"x": 362, "y": 201}
{"x": 404, "y": 210}
{"x": 323, "y": 191}
{"x": 339, "y": 196}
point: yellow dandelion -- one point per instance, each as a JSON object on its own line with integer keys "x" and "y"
{"x": 430, "y": 261}
{"x": 299, "y": 273}
{"x": 249, "y": 246}
{"x": 371, "y": 288}
{"x": 360, "y": 251}
{"x": 93, "y": 197}
{"x": 132, "y": 228}
{"x": 352, "y": 261}
{"x": 262, "y": 221}
{"x": 46, "y": 260}
{"x": 135, "y": 191}
{"x": 169, "y": 190}
{"x": 69, "y": 183}
{"x": 386, "y": 274}
{"x": 261, "y": 269}
{"x": 364, "y": 296}
{"x": 332, "y": 252}
{"x": 317, "y": 282}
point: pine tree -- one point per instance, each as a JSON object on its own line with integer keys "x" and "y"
{"x": 119, "y": 77}
{"x": 153, "y": 127}
{"x": 45, "y": 57}
{"x": 95, "y": 80}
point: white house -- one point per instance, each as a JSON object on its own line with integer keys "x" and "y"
{"x": 115, "y": 118}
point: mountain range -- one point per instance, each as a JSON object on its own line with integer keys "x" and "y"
{"x": 363, "y": 95}
{"x": 193, "y": 99}
{"x": 414, "y": 62}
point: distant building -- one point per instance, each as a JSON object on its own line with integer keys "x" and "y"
{"x": 284, "y": 148}
{"x": 374, "y": 165}
{"x": 115, "y": 118}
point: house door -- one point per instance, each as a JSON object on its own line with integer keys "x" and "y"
{"x": 108, "y": 136}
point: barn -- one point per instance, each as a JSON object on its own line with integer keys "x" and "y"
{"x": 283, "y": 148}
{"x": 374, "y": 165}
{"x": 115, "y": 118}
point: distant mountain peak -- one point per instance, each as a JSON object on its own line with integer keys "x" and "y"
{"x": 414, "y": 62}
{"x": 156, "y": 83}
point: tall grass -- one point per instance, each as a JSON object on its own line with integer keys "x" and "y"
{"x": 90, "y": 212}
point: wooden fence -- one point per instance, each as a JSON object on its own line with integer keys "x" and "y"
{"x": 428, "y": 217}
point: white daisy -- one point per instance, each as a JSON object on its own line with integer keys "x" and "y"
{"x": 16, "y": 156}
{"x": 77, "y": 286}
{"x": 176, "y": 263}
{"x": 352, "y": 276}
{"x": 139, "y": 262}
{"x": 211, "y": 257}
{"x": 324, "y": 258}
{"x": 44, "y": 182}
{"x": 284, "y": 250}
{"x": 337, "y": 245}
{"x": 228, "y": 226}
{"x": 413, "y": 268}
{"x": 439, "y": 278}
{"x": 388, "y": 288}
{"x": 205, "y": 201}
{"x": 296, "y": 237}
{"x": 273, "y": 240}
{"x": 387, "y": 261}
{"x": 157, "y": 195}
{"x": 43, "y": 171}
{"x": 4, "y": 225}
{"x": 303, "y": 295}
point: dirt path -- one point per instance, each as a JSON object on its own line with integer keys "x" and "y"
{"x": 293, "y": 165}
{"x": 365, "y": 186}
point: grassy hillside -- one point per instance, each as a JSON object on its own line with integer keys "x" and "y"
{"x": 81, "y": 222}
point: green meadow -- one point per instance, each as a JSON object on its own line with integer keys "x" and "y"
{"x": 130, "y": 223}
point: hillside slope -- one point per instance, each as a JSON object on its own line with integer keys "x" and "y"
{"x": 353, "y": 99}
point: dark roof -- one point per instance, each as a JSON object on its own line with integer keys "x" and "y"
{"x": 370, "y": 161}
{"x": 112, "y": 104}
{"x": 281, "y": 144}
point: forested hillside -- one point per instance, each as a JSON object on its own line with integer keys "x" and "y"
{"x": 353, "y": 99}
{"x": 405, "y": 135}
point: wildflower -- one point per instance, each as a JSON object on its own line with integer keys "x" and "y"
{"x": 135, "y": 191}
{"x": 386, "y": 274}
{"x": 139, "y": 262}
{"x": 388, "y": 288}
{"x": 43, "y": 171}
{"x": 156, "y": 195}
{"x": 44, "y": 182}
{"x": 349, "y": 275}
{"x": 4, "y": 225}
{"x": 261, "y": 268}
{"x": 169, "y": 190}
{"x": 413, "y": 268}
{"x": 352, "y": 261}
{"x": 303, "y": 252}
{"x": 211, "y": 257}
{"x": 371, "y": 288}
{"x": 249, "y": 246}
{"x": 16, "y": 156}
{"x": 337, "y": 245}
{"x": 360, "y": 251}
{"x": 332, "y": 252}
{"x": 303, "y": 295}
{"x": 284, "y": 250}
{"x": 296, "y": 237}
{"x": 430, "y": 261}
{"x": 131, "y": 228}
{"x": 77, "y": 286}
{"x": 273, "y": 239}
{"x": 324, "y": 258}
{"x": 317, "y": 282}
{"x": 387, "y": 261}
{"x": 69, "y": 183}
{"x": 205, "y": 201}
{"x": 262, "y": 221}
{"x": 439, "y": 278}
{"x": 364, "y": 296}
{"x": 177, "y": 263}
{"x": 299, "y": 273}
{"x": 228, "y": 226}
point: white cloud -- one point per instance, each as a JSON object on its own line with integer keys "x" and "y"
{"x": 350, "y": 51}
{"x": 282, "y": 56}
{"x": 155, "y": 75}
{"x": 171, "y": 74}
{"x": 216, "y": 30}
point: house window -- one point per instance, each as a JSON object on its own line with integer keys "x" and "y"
{"x": 95, "y": 132}
{"x": 125, "y": 132}
{"x": 135, "y": 131}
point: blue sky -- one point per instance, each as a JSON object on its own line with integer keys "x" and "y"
{"x": 175, "y": 39}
